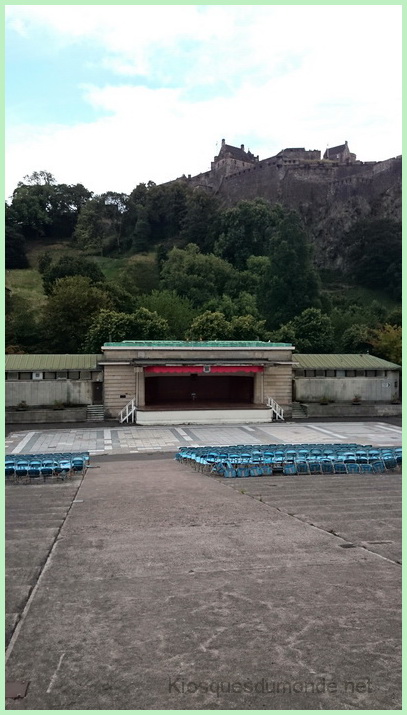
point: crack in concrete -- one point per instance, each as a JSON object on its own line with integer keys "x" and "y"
{"x": 315, "y": 526}
{"x": 43, "y": 566}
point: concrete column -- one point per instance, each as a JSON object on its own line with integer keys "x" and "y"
{"x": 139, "y": 387}
{"x": 258, "y": 396}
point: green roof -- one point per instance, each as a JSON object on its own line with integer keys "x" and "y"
{"x": 34, "y": 363}
{"x": 251, "y": 344}
{"x": 331, "y": 361}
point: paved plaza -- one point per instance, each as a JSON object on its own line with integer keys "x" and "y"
{"x": 136, "y": 439}
{"x": 147, "y": 585}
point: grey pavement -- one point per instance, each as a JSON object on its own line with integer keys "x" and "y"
{"x": 34, "y": 518}
{"x": 134, "y": 439}
{"x": 169, "y": 589}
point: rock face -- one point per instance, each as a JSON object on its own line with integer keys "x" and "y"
{"x": 330, "y": 195}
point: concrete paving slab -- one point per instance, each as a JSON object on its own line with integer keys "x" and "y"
{"x": 119, "y": 439}
{"x": 167, "y": 589}
{"x": 35, "y": 514}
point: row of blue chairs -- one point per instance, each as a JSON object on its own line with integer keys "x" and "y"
{"x": 37, "y": 467}
{"x": 226, "y": 469}
{"x": 292, "y": 459}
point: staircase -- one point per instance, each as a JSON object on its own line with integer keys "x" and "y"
{"x": 299, "y": 411}
{"x": 95, "y": 413}
{"x": 277, "y": 412}
{"x": 129, "y": 413}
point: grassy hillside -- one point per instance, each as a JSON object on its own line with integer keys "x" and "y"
{"x": 27, "y": 283}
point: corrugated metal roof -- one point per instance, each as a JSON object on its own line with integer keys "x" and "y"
{"x": 34, "y": 363}
{"x": 331, "y": 361}
{"x": 196, "y": 344}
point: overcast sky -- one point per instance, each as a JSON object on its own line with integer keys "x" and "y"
{"x": 113, "y": 95}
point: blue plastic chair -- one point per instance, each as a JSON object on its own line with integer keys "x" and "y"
{"x": 353, "y": 468}
{"x": 21, "y": 468}
{"x": 378, "y": 466}
{"x": 290, "y": 468}
{"x": 302, "y": 467}
{"x": 34, "y": 469}
{"x": 366, "y": 468}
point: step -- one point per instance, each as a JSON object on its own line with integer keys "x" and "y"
{"x": 95, "y": 413}
{"x": 298, "y": 411}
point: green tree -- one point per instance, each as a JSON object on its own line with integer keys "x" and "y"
{"x": 196, "y": 276}
{"x": 15, "y": 249}
{"x": 142, "y": 231}
{"x": 69, "y": 313}
{"x": 386, "y": 343}
{"x": 356, "y": 339}
{"x": 292, "y": 283}
{"x": 395, "y": 316}
{"x": 30, "y": 208}
{"x": 243, "y": 304}
{"x": 42, "y": 207}
{"x": 110, "y": 326}
{"x": 141, "y": 275}
{"x": 178, "y": 312}
{"x": 44, "y": 262}
{"x": 209, "y": 326}
{"x": 200, "y": 224}
{"x": 71, "y": 266}
{"x": 373, "y": 253}
{"x": 247, "y": 327}
{"x": 310, "y": 332}
{"x": 22, "y": 325}
{"x": 120, "y": 299}
{"x": 246, "y": 230}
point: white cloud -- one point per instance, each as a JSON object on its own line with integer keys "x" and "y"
{"x": 310, "y": 77}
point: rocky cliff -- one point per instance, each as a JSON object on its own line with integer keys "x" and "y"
{"x": 330, "y": 196}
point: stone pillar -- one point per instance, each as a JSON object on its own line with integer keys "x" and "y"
{"x": 139, "y": 386}
{"x": 258, "y": 392}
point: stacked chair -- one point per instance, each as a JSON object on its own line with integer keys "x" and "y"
{"x": 31, "y": 468}
{"x": 291, "y": 459}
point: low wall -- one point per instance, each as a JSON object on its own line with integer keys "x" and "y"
{"x": 343, "y": 389}
{"x": 314, "y": 409}
{"x": 204, "y": 417}
{"x": 46, "y": 392}
{"x": 74, "y": 414}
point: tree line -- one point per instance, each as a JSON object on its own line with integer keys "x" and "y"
{"x": 241, "y": 273}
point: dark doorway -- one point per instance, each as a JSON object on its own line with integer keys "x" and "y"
{"x": 97, "y": 393}
{"x": 199, "y": 390}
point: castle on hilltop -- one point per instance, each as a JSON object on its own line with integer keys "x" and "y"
{"x": 232, "y": 161}
{"x": 294, "y": 176}
{"x": 330, "y": 193}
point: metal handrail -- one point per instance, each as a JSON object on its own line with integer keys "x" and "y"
{"x": 276, "y": 409}
{"x": 129, "y": 410}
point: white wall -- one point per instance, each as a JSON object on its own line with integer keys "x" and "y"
{"x": 46, "y": 392}
{"x": 343, "y": 389}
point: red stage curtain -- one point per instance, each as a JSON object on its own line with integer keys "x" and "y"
{"x": 165, "y": 369}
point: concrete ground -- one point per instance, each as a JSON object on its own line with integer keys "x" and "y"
{"x": 121, "y": 439}
{"x": 169, "y": 589}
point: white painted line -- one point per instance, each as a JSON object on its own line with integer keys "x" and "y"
{"x": 390, "y": 429}
{"x": 54, "y": 677}
{"x": 23, "y": 442}
{"x": 326, "y": 431}
{"x": 108, "y": 447}
{"x": 249, "y": 428}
